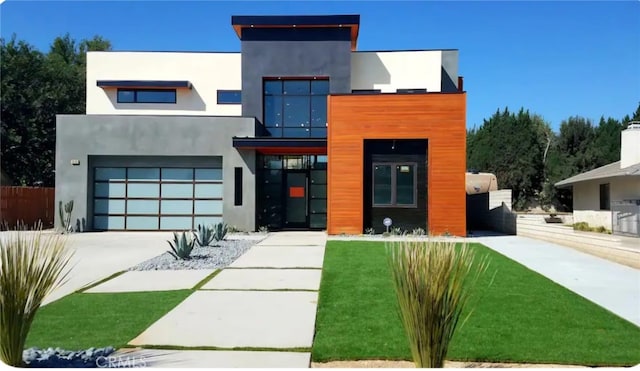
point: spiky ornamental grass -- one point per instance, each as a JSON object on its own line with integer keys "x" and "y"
{"x": 31, "y": 266}
{"x": 433, "y": 281}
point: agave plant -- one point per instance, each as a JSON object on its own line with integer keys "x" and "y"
{"x": 204, "y": 236}
{"x": 32, "y": 265}
{"x": 65, "y": 215}
{"x": 181, "y": 246}
{"x": 433, "y": 282}
{"x": 221, "y": 230}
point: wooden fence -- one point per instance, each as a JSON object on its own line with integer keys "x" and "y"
{"x": 28, "y": 205}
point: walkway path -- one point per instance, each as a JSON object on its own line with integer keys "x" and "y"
{"x": 259, "y": 312}
{"x": 613, "y": 286}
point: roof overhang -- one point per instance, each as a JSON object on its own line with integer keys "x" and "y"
{"x": 283, "y": 146}
{"x": 146, "y": 84}
{"x": 351, "y": 21}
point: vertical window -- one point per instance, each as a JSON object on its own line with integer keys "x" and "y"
{"x": 394, "y": 185}
{"x": 237, "y": 199}
{"x": 605, "y": 202}
{"x": 296, "y": 108}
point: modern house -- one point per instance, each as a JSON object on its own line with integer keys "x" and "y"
{"x": 609, "y": 196}
{"x": 299, "y": 130}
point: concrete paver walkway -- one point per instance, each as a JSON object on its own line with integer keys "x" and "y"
{"x": 162, "y": 358}
{"x": 161, "y": 280}
{"x": 245, "y": 307}
{"x": 266, "y": 279}
{"x": 613, "y": 286}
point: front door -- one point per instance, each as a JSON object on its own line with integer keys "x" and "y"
{"x": 297, "y": 205}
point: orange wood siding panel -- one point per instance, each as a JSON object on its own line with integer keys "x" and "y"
{"x": 439, "y": 118}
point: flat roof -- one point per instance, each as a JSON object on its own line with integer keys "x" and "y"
{"x": 351, "y": 21}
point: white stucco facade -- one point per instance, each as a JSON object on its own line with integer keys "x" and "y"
{"x": 210, "y": 72}
{"x": 586, "y": 198}
{"x": 207, "y": 72}
{"x": 393, "y": 70}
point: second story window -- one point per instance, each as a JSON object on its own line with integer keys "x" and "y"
{"x": 146, "y": 95}
{"x": 229, "y": 97}
{"x": 296, "y": 108}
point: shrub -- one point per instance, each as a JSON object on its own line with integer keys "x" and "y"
{"x": 263, "y": 229}
{"x": 581, "y": 226}
{"x": 418, "y": 232}
{"x": 221, "y": 230}
{"x": 432, "y": 281}
{"x": 370, "y": 231}
{"x": 32, "y": 265}
{"x": 396, "y": 231}
{"x": 181, "y": 246}
{"x": 204, "y": 236}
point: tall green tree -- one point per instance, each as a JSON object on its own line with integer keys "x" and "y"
{"x": 514, "y": 147}
{"x": 34, "y": 88}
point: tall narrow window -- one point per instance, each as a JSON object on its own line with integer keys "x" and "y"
{"x": 605, "y": 202}
{"x": 237, "y": 199}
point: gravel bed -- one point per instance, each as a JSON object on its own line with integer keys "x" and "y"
{"x": 220, "y": 255}
{"x": 60, "y": 358}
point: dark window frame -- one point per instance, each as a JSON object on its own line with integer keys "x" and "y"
{"x": 135, "y": 95}
{"x": 394, "y": 186}
{"x": 412, "y": 91}
{"x": 366, "y": 91}
{"x": 237, "y": 185}
{"x": 605, "y": 196}
{"x": 311, "y": 128}
{"x": 227, "y": 101}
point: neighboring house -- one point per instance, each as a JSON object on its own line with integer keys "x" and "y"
{"x": 617, "y": 184}
{"x": 299, "y": 130}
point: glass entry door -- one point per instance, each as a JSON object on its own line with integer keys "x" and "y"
{"x": 297, "y": 204}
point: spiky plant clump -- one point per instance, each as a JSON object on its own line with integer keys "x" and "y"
{"x": 65, "y": 215}
{"x": 433, "y": 282}
{"x": 181, "y": 246}
{"x": 204, "y": 236}
{"x": 32, "y": 265}
{"x": 221, "y": 230}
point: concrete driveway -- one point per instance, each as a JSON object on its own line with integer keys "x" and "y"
{"x": 101, "y": 254}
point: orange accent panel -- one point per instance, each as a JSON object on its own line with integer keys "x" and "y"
{"x": 437, "y": 117}
{"x": 296, "y": 192}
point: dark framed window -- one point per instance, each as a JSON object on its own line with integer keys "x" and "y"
{"x": 229, "y": 97}
{"x": 605, "y": 200}
{"x": 394, "y": 184}
{"x": 366, "y": 91}
{"x": 237, "y": 198}
{"x": 411, "y": 91}
{"x": 296, "y": 108}
{"x": 146, "y": 95}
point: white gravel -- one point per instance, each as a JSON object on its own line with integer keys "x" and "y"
{"x": 220, "y": 255}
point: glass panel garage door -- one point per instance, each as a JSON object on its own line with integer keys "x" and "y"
{"x": 136, "y": 198}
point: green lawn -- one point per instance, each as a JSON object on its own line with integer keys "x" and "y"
{"x": 520, "y": 317}
{"x": 81, "y": 321}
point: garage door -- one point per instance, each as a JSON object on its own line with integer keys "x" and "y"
{"x": 158, "y": 198}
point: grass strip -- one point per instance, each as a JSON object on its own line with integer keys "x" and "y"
{"x": 83, "y": 320}
{"x": 99, "y": 282}
{"x": 522, "y": 317}
{"x": 208, "y": 278}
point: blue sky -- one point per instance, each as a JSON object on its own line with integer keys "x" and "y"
{"x": 556, "y": 59}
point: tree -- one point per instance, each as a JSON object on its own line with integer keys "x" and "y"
{"x": 513, "y": 147}
{"x": 34, "y": 88}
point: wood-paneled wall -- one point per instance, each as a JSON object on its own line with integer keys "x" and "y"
{"x": 437, "y": 117}
{"x": 26, "y": 205}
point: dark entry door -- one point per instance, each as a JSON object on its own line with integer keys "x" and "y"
{"x": 297, "y": 206}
